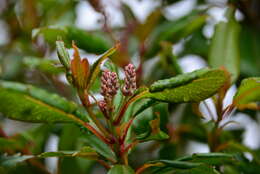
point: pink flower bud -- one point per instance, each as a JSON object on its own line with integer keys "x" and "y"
{"x": 130, "y": 80}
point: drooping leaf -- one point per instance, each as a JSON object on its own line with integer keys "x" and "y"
{"x": 224, "y": 49}
{"x": 31, "y": 104}
{"x": 87, "y": 41}
{"x": 248, "y": 94}
{"x": 44, "y": 65}
{"x": 121, "y": 169}
{"x": 173, "y": 31}
{"x": 193, "y": 87}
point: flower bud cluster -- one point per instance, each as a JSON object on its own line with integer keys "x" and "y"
{"x": 130, "y": 80}
{"x": 109, "y": 84}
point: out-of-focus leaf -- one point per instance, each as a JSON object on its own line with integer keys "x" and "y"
{"x": 10, "y": 144}
{"x": 12, "y": 161}
{"x": 100, "y": 147}
{"x": 210, "y": 158}
{"x": 143, "y": 30}
{"x": 31, "y": 104}
{"x": 193, "y": 87}
{"x": 198, "y": 44}
{"x": 182, "y": 167}
{"x": 44, "y": 65}
{"x": 224, "y": 49}
{"x": 248, "y": 94}
{"x": 121, "y": 169}
{"x": 173, "y": 31}
{"x": 89, "y": 42}
{"x": 250, "y": 50}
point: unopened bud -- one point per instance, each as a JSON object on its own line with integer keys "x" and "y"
{"x": 130, "y": 80}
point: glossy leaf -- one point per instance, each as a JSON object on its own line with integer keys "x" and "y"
{"x": 31, "y": 104}
{"x": 224, "y": 49}
{"x": 194, "y": 87}
{"x": 248, "y": 94}
{"x": 121, "y": 169}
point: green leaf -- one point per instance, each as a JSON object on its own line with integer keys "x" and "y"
{"x": 181, "y": 167}
{"x": 210, "y": 158}
{"x": 86, "y": 152}
{"x": 100, "y": 147}
{"x": 144, "y": 105}
{"x": 191, "y": 87}
{"x": 95, "y": 69}
{"x": 177, "y": 81}
{"x": 173, "y": 31}
{"x": 248, "y": 94}
{"x": 90, "y": 42}
{"x": 10, "y": 144}
{"x": 121, "y": 169}
{"x": 12, "y": 161}
{"x": 31, "y": 104}
{"x": 44, "y": 65}
{"x": 224, "y": 50}
{"x": 63, "y": 54}
{"x": 147, "y": 127}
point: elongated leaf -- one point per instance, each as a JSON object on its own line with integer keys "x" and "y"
{"x": 189, "y": 88}
{"x": 86, "y": 152}
{"x": 121, "y": 169}
{"x": 44, "y": 65}
{"x": 224, "y": 49}
{"x": 145, "y": 105}
{"x": 31, "y": 104}
{"x": 89, "y": 42}
{"x": 63, "y": 54}
{"x": 173, "y": 31}
{"x": 177, "y": 81}
{"x": 210, "y": 158}
{"x": 100, "y": 147}
{"x": 95, "y": 69}
{"x": 248, "y": 94}
{"x": 182, "y": 167}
